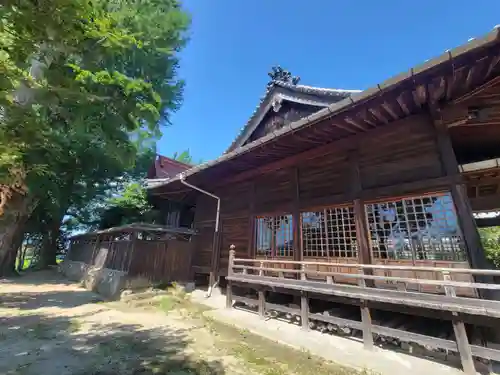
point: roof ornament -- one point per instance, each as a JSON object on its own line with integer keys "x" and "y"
{"x": 277, "y": 104}
{"x": 278, "y": 74}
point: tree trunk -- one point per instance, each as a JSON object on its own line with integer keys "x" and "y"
{"x": 12, "y": 225}
{"x": 48, "y": 251}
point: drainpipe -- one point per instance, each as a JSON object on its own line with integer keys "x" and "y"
{"x": 212, "y": 284}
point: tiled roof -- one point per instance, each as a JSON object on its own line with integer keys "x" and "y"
{"x": 348, "y": 101}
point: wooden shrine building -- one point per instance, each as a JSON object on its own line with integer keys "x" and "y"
{"x": 387, "y": 175}
{"x": 329, "y": 192}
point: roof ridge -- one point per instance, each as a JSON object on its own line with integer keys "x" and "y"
{"x": 174, "y": 161}
{"x": 298, "y": 88}
{"x": 318, "y": 88}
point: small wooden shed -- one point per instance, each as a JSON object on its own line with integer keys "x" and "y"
{"x": 146, "y": 251}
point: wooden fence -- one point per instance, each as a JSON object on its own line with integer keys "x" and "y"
{"x": 157, "y": 254}
{"x": 269, "y": 274}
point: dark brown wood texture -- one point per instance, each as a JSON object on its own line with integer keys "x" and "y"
{"x": 288, "y": 112}
{"x": 157, "y": 259}
{"x": 234, "y": 232}
{"x": 458, "y": 307}
{"x": 82, "y": 250}
{"x": 406, "y": 154}
{"x": 163, "y": 261}
{"x": 202, "y": 246}
{"x": 400, "y": 161}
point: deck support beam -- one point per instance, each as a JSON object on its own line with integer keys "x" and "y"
{"x": 461, "y": 338}
{"x": 229, "y": 294}
{"x": 262, "y": 303}
{"x": 304, "y": 311}
{"x": 230, "y": 272}
{"x": 366, "y": 321}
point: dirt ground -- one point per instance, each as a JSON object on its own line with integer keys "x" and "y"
{"x": 50, "y": 326}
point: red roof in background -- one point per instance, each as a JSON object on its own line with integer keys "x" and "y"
{"x": 164, "y": 167}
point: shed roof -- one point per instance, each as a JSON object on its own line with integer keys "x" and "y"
{"x": 446, "y": 78}
{"x": 164, "y": 167}
{"x": 138, "y": 227}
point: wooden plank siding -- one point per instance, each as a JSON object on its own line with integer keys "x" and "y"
{"x": 402, "y": 161}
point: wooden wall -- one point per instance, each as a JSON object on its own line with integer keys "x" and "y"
{"x": 403, "y": 158}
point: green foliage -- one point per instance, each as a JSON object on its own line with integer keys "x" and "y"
{"x": 131, "y": 206}
{"x": 185, "y": 157}
{"x": 84, "y": 87}
{"x": 490, "y": 238}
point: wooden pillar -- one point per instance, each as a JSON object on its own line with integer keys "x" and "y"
{"x": 262, "y": 303}
{"x": 297, "y": 238}
{"x": 458, "y": 190}
{"x": 251, "y": 222}
{"x": 304, "y": 311}
{"x": 230, "y": 271}
{"x": 362, "y": 234}
{"x": 366, "y": 319}
{"x": 460, "y": 334}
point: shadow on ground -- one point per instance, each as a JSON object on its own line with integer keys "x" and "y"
{"x": 35, "y": 300}
{"x": 44, "y": 342}
{"x": 35, "y": 277}
{"x": 40, "y": 344}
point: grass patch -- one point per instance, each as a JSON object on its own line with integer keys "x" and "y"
{"x": 168, "y": 303}
{"x": 75, "y": 325}
{"x": 270, "y": 358}
{"x": 41, "y": 331}
{"x": 259, "y": 354}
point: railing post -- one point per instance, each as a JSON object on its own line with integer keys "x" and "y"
{"x": 366, "y": 319}
{"x": 261, "y": 271}
{"x": 303, "y": 271}
{"x": 460, "y": 333}
{"x": 230, "y": 271}
{"x": 262, "y": 303}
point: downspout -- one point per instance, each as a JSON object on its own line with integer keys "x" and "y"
{"x": 217, "y": 219}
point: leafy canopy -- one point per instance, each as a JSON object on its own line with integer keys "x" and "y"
{"x": 84, "y": 87}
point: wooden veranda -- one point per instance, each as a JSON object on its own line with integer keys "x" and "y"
{"x": 453, "y": 306}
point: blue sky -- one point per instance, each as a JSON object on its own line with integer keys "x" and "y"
{"x": 336, "y": 44}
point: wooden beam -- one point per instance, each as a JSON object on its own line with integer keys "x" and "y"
{"x": 251, "y": 221}
{"x": 478, "y": 90}
{"x": 486, "y": 203}
{"x": 387, "y": 107}
{"x": 356, "y": 124}
{"x": 344, "y": 127}
{"x": 450, "y": 168}
{"x": 378, "y": 115}
{"x": 295, "y": 185}
{"x": 432, "y": 185}
{"x": 401, "y": 101}
{"x": 362, "y": 232}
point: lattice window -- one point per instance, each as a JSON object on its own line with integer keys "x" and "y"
{"x": 416, "y": 228}
{"x": 274, "y": 236}
{"x": 329, "y": 233}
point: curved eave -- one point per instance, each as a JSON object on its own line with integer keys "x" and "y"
{"x": 444, "y": 79}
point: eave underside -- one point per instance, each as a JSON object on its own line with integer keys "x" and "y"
{"x": 454, "y": 86}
